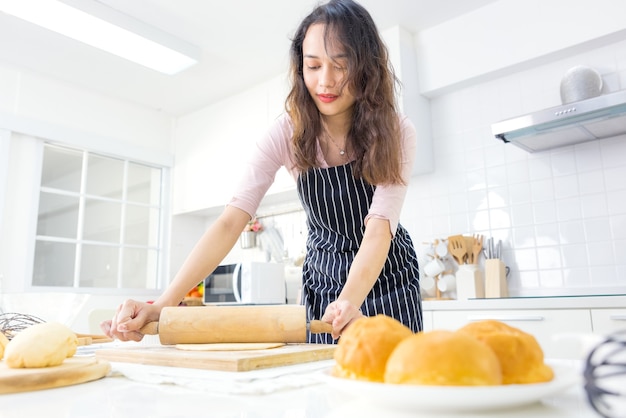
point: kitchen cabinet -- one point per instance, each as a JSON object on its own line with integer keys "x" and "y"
{"x": 560, "y": 324}
{"x": 213, "y": 144}
{"x": 427, "y": 320}
{"x": 545, "y": 324}
{"x": 606, "y": 321}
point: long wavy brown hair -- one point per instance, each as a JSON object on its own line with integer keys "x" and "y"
{"x": 374, "y": 135}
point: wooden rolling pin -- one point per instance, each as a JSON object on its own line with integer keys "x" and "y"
{"x": 234, "y": 324}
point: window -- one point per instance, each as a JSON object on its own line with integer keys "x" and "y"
{"x": 99, "y": 221}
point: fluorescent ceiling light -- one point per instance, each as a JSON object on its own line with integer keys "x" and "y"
{"x": 98, "y": 25}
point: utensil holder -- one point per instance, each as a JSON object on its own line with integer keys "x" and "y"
{"x": 495, "y": 279}
{"x": 470, "y": 282}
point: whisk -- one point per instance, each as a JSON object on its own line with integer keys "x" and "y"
{"x": 12, "y": 323}
{"x": 605, "y": 376}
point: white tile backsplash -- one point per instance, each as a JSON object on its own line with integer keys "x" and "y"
{"x": 597, "y": 230}
{"x": 540, "y": 167}
{"x": 523, "y": 237}
{"x": 566, "y": 186}
{"x": 546, "y": 235}
{"x": 600, "y": 253}
{"x": 618, "y": 228}
{"x": 617, "y": 202}
{"x": 563, "y": 163}
{"x": 594, "y": 205}
{"x": 522, "y": 215}
{"x": 542, "y": 190}
{"x": 568, "y": 209}
{"x": 574, "y": 255}
{"x": 588, "y": 157}
{"x": 544, "y": 212}
{"x": 615, "y": 178}
{"x": 561, "y": 214}
{"x": 591, "y": 182}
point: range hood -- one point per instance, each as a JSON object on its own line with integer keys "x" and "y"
{"x": 573, "y": 123}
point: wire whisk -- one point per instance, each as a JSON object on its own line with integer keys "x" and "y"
{"x": 605, "y": 376}
{"x": 12, "y": 323}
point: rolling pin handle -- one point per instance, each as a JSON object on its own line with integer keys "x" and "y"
{"x": 319, "y": 327}
{"x": 151, "y": 328}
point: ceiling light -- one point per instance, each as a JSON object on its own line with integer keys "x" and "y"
{"x": 98, "y": 25}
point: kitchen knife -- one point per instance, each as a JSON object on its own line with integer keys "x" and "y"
{"x": 234, "y": 324}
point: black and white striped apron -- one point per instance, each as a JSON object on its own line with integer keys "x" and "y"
{"x": 336, "y": 205}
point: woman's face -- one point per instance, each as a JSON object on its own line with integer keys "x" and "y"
{"x": 324, "y": 72}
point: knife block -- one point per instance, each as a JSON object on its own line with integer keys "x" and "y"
{"x": 470, "y": 282}
{"x": 495, "y": 279}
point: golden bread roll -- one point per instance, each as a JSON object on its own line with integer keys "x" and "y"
{"x": 365, "y": 345}
{"x": 4, "y": 341}
{"x": 520, "y": 355}
{"x": 41, "y": 345}
{"x": 443, "y": 358}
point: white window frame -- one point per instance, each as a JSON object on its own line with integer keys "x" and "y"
{"x": 82, "y": 196}
{"x": 16, "y": 262}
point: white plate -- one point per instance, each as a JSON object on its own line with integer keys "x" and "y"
{"x": 455, "y": 398}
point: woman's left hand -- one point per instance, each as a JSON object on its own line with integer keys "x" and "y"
{"x": 340, "y": 314}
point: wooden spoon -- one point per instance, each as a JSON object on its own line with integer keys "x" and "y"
{"x": 469, "y": 246}
{"x": 456, "y": 247}
{"x": 477, "y": 247}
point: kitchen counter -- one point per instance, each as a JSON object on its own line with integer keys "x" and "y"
{"x": 121, "y": 396}
{"x": 529, "y": 302}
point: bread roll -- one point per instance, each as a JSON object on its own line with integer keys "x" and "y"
{"x": 366, "y": 344}
{"x": 443, "y": 358}
{"x": 519, "y": 353}
{"x": 41, "y": 345}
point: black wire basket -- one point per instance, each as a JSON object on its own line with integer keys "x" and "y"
{"x": 605, "y": 376}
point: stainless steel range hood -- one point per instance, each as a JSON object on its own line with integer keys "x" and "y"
{"x": 573, "y": 123}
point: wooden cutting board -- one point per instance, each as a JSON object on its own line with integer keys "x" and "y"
{"x": 235, "y": 361}
{"x": 72, "y": 371}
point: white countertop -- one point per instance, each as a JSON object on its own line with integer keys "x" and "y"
{"x": 121, "y": 397}
{"x": 530, "y": 302}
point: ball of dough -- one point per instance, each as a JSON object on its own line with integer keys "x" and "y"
{"x": 443, "y": 358}
{"x": 42, "y": 345}
{"x": 3, "y": 344}
{"x": 365, "y": 345}
{"x": 519, "y": 353}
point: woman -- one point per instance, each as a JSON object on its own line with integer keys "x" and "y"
{"x": 351, "y": 155}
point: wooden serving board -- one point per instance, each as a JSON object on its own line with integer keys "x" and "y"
{"x": 72, "y": 371}
{"x": 235, "y": 361}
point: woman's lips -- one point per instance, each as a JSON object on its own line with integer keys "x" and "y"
{"x": 327, "y": 98}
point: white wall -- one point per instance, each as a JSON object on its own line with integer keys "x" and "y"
{"x": 560, "y": 213}
{"x": 61, "y": 111}
{"x": 213, "y": 142}
{"x": 509, "y": 35}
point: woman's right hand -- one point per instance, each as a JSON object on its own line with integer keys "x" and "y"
{"x": 340, "y": 314}
{"x": 128, "y": 320}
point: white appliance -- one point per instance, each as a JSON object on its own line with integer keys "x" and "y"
{"x": 246, "y": 283}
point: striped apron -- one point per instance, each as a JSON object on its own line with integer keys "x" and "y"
{"x": 336, "y": 205}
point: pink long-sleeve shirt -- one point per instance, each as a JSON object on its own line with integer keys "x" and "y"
{"x": 274, "y": 151}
